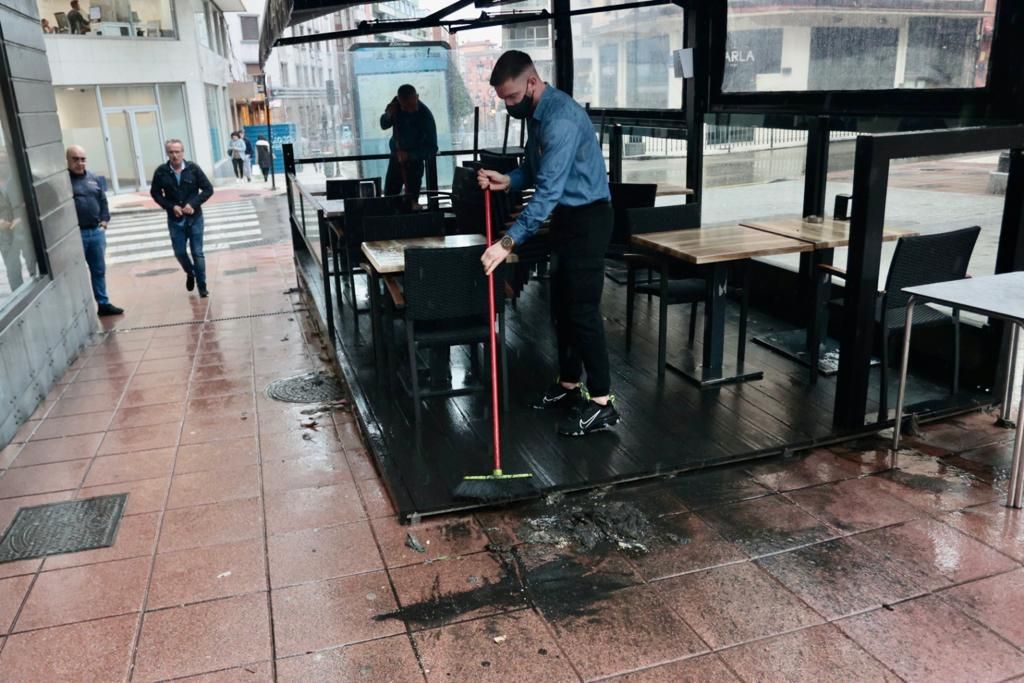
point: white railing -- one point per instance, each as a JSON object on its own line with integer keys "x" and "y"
{"x": 723, "y": 140}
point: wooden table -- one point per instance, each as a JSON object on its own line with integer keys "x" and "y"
{"x": 799, "y": 345}
{"x": 715, "y": 247}
{"x": 994, "y": 296}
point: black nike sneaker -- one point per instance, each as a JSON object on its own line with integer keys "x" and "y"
{"x": 557, "y": 395}
{"x": 592, "y": 417}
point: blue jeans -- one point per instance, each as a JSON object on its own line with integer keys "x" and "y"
{"x": 189, "y": 230}
{"x": 94, "y": 240}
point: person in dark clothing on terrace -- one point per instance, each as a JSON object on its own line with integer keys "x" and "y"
{"x": 93, "y": 218}
{"x": 180, "y": 187}
{"x": 413, "y": 142}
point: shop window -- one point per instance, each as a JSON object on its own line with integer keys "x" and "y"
{"x": 111, "y": 18}
{"x": 19, "y": 264}
{"x": 840, "y": 47}
{"x": 250, "y": 24}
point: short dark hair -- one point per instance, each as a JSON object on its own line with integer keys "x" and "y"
{"x": 510, "y": 65}
{"x": 406, "y": 91}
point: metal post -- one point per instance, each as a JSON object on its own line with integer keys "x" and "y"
{"x": 476, "y": 133}
{"x": 615, "y": 154}
{"x": 270, "y": 134}
{"x": 1011, "y": 366}
{"x": 901, "y": 393}
{"x": 1015, "y": 492}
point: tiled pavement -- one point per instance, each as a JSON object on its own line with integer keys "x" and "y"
{"x": 256, "y": 549}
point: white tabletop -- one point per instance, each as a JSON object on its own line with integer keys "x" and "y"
{"x": 1000, "y": 296}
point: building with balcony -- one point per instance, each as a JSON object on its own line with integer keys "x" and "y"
{"x": 130, "y": 74}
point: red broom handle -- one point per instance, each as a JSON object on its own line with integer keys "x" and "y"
{"x": 493, "y": 338}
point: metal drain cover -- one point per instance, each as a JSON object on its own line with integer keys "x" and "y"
{"x": 312, "y": 387}
{"x": 65, "y": 527}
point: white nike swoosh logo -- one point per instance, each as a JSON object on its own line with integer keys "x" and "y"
{"x": 586, "y": 423}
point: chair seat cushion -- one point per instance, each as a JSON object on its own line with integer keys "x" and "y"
{"x": 679, "y": 291}
{"x": 451, "y": 332}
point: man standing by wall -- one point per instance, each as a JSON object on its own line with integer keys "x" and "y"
{"x": 181, "y": 187}
{"x": 413, "y": 142}
{"x": 93, "y": 217}
{"x": 564, "y": 162}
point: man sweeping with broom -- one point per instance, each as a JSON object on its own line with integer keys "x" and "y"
{"x": 413, "y": 142}
{"x": 565, "y": 164}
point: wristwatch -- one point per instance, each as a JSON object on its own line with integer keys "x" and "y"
{"x": 508, "y": 243}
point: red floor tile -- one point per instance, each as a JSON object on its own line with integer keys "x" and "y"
{"x": 86, "y": 423}
{"x": 216, "y": 524}
{"x": 88, "y": 651}
{"x": 934, "y": 486}
{"x": 734, "y": 604}
{"x": 318, "y": 554}
{"x": 12, "y": 593}
{"x": 766, "y": 525}
{"x": 257, "y": 672}
{"x": 935, "y": 554}
{"x": 159, "y": 379}
{"x": 716, "y": 487}
{"x": 841, "y": 577}
{"x": 105, "y": 391}
{"x": 926, "y": 639}
{"x": 375, "y": 498}
{"x": 140, "y": 439}
{"x": 821, "y": 654}
{"x": 214, "y": 486}
{"x": 446, "y": 537}
{"x": 316, "y": 616}
{"x": 136, "y": 537}
{"x": 704, "y": 669}
{"x": 468, "y": 651}
{"x": 630, "y": 628}
{"x": 141, "y": 416}
{"x": 817, "y": 467}
{"x": 206, "y": 429}
{"x": 361, "y": 464}
{"x": 176, "y": 365}
{"x": 299, "y": 444}
{"x": 312, "y": 507}
{"x": 79, "y": 405}
{"x": 106, "y": 371}
{"x": 299, "y": 473}
{"x": 699, "y": 547}
{"x": 217, "y": 455}
{"x": 997, "y": 602}
{"x": 116, "y": 469}
{"x": 233, "y": 404}
{"x": 154, "y": 395}
{"x": 27, "y": 481}
{"x": 79, "y": 447}
{"x": 388, "y": 659}
{"x": 206, "y": 637}
{"x": 220, "y": 387}
{"x": 995, "y": 525}
{"x": 854, "y": 505}
{"x": 65, "y": 596}
{"x": 144, "y": 495}
{"x": 200, "y": 574}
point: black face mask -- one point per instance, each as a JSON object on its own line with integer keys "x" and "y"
{"x": 521, "y": 109}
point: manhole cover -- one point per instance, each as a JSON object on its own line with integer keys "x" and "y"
{"x": 239, "y": 271}
{"x": 66, "y": 527}
{"x": 312, "y": 387}
{"x": 158, "y": 271}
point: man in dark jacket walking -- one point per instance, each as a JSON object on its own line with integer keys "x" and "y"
{"x": 181, "y": 187}
{"x": 93, "y": 217}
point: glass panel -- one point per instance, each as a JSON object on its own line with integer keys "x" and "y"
{"x": 215, "y": 122}
{"x": 202, "y": 28}
{"x": 111, "y": 18}
{"x": 122, "y": 151}
{"x": 151, "y": 148}
{"x": 18, "y": 263}
{"x": 250, "y": 27}
{"x": 830, "y": 45}
{"x": 174, "y": 114}
{"x": 80, "y": 125}
{"x": 128, "y": 96}
{"x": 624, "y": 58}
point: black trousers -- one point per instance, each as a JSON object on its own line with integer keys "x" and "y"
{"x": 580, "y": 237}
{"x": 412, "y": 181}
{"x": 239, "y": 166}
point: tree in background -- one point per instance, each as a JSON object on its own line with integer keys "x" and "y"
{"x": 460, "y": 105}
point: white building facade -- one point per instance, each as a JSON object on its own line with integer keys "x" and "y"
{"x": 146, "y": 71}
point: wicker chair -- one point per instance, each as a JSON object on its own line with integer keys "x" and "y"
{"x": 404, "y": 226}
{"x": 918, "y": 260}
{"x": 350, "y": 188}
{"x": 626, "y": 196}
{"x": 350, "y": 247}
{"x": 444, "y": 299}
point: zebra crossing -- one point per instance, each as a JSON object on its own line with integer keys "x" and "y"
{"x": 142, "y": 235}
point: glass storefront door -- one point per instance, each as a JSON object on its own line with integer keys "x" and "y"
{"x": 136, "y": 145}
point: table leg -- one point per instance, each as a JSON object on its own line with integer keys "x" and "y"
{"x": 712, "y": 372}
{"x": 1011, "y": 366}
{"x": 901, "y": 392}
{"x": 375, "y": 326}
{"x": 1015, "y": 492}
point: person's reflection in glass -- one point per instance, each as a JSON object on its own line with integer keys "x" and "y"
{"x": 15, "y": 243}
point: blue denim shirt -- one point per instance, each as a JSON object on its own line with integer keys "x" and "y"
{"x": 563, "y": 161}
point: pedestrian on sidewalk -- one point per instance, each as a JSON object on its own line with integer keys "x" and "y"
{"x": 93, "y": 218}
{"x": 181, "y": 187}
{"x": 263, "y": 156}
{"x": 236, "y": 150}
{"x": 250, "y": 155}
